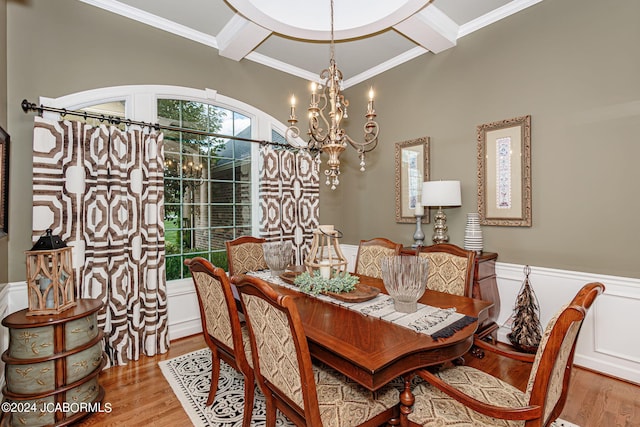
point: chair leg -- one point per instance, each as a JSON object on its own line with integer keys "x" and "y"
{"x": 271, "y": 409}
{"x": 249, "y": 391}
{"x": 215, "y": 375}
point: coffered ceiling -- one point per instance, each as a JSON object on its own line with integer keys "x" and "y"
{"x": 293, "y": 36}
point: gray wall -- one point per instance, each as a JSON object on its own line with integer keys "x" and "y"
{"x": 571, "y": 64}
{"x": 574, "y": 67}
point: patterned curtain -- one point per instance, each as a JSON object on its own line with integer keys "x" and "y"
{"x": 289, "y": 198}
{"x": 101, "y": 189}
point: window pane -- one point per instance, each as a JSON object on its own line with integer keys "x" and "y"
{"x": 221, "y": 169}
{"x": 221, "y": 192}
{"x": 242, "y": 150}
{"x": 219, "y": 259}
{"x": 171, "y": 165}
{"x": 219, "y": 236}
{"x": 277, "y": 137}
{"x": 243, "y": 170}
{"x": 243, "y": 214}
{"x": 222, "y": 215}
{"x": 174, "y": 267}
{"x": 243, "y": 192}
{"x": 207, "y": 182}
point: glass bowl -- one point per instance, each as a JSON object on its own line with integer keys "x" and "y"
{"x": 405, "y": 279}
{"x": 277, "y": 255}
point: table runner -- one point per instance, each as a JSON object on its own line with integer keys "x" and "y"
{"x": 434, "y": 321}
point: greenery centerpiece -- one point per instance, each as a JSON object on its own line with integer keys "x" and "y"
{"x": 315, "y": 284}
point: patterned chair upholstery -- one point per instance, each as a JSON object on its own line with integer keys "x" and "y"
{"x": 450, "y": 268}
{"x": 245, "y": 254}
{"x": 227, "y": 338}
{"x": 465, "y": 396}
{"x": 370, "y": 252}
{"x": 308, "y": 394}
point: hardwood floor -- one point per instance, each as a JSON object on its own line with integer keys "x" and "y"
{"x": 140, "y": 396}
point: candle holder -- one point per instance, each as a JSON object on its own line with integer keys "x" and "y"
{"x": 418, "y": 236}
{"x": 325, "y": 255}
{"x": 50, "y": 283}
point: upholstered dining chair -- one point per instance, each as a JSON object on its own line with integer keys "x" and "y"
{"x": 450, "y": 268}
{"x": 467, "y": 396}
{"x": 370, "y": 252}
{"x": 245, "y": 254}
{"x": 308, "y": 394}
{"x": 227, "y": 338}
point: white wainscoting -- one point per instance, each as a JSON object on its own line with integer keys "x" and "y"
{"x": 607, "y": 341}
{"x": 4, "y": 332}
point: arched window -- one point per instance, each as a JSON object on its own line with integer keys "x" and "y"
{"x": 210, "y": 181}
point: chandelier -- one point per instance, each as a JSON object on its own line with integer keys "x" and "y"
{"x": 327, "y": 108}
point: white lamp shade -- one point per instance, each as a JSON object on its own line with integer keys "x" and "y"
{"x": 441, "y": 193}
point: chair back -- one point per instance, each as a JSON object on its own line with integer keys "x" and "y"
{"x": 281, "y": 357}
{"x": 245, "y": 254}
{"x": 549, "y": 379}
{"x": 218, "y": 309}
{"x": 450, "y": 268}
{"x": 370, "y": 252}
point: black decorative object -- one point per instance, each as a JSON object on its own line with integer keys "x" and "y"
{"x": 526, "y": 331}
{"x": 49, "y": 242}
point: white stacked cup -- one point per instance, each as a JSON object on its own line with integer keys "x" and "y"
{"x": 473, "y": 233}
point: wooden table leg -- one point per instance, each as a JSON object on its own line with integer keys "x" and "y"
{"x": 406, "y": 401}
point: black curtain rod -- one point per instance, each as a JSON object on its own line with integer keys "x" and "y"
{"x": 31, "y": 106}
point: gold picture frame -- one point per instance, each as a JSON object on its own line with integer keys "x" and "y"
{"x": 504, "y": 172}
{"x": 4, "y": 182}
{"x": 412, "y": 169}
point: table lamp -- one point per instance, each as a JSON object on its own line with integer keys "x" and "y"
{"x": 441, "y": 194}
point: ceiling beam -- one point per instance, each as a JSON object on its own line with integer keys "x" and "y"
{"x": 431, "y": 29}
{"x": 239, "y": 37}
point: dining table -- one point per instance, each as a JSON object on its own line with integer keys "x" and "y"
{"x": 372, "y": 351}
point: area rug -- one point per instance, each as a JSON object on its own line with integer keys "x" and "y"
{"x": 189, "y": 376}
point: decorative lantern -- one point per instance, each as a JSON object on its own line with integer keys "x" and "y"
{"x": 50, "y": 281}
{"x": 325, "y": 254}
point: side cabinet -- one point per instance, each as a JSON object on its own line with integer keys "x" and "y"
{"x": 52, "y": 366}
{"x": 485, "y": 287}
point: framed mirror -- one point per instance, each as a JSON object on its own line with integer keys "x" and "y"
{"x": 4, "y": 182}
{"x": 412, "y": 169}
{"x": 504, "y": 172}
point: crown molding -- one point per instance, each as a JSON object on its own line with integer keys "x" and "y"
{"x": 154, "y": 21}
{"x": 385, "y": 66}
{"x": 283, "y": 66}
{"x": 495, "y": 15}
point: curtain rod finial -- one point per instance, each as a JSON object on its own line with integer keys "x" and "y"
{"x": 26, "y": 105}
